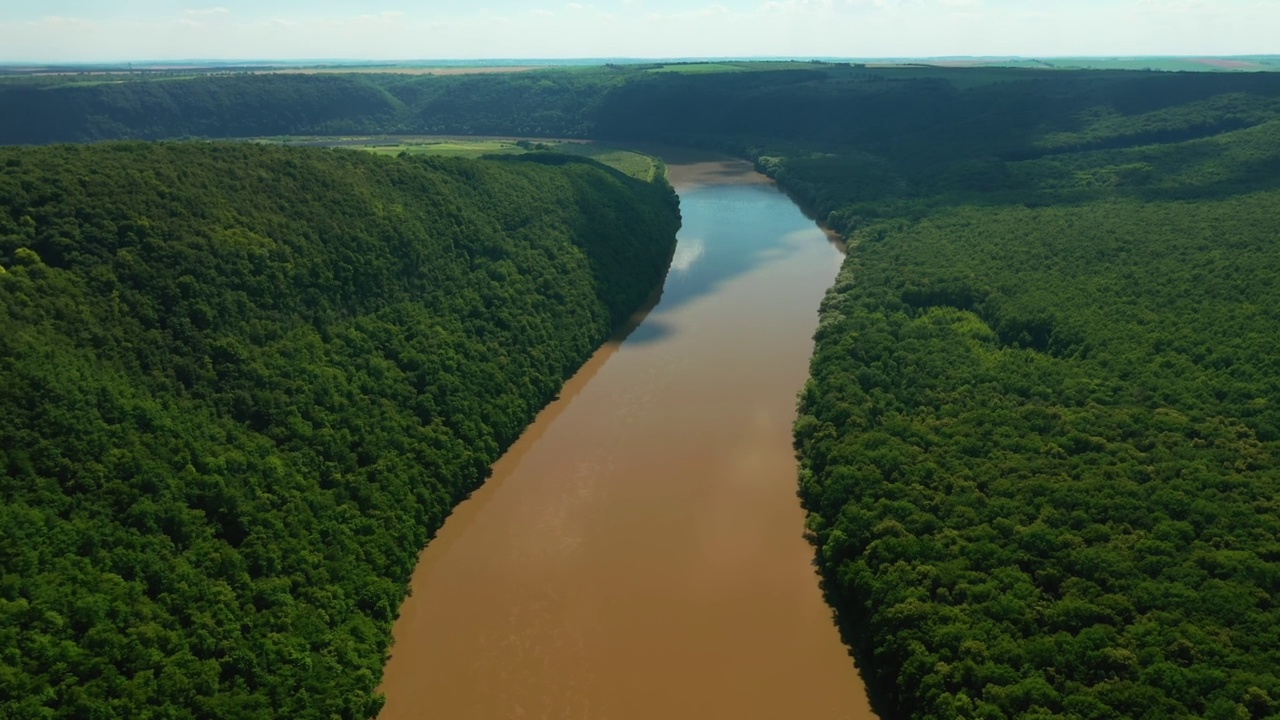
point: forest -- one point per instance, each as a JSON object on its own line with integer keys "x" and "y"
{"x": 242, "y": 387}
{"x": 909, "y": 116}
{"x": 1038, "y": 444}
{"x": 1039, "y": 449}
{"x": 1039, "y": 440}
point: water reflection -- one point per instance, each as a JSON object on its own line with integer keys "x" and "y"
{"x": 654, "y": 330}
{"x": 728, "y": 231}
{"x": 688, "y": 252}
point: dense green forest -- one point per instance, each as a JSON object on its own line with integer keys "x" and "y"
{"x": 1039, "y": 442}
{"x": 910, "y": 115}
{"x": 1040, "y": 439}
{"x": 243, "y": 385}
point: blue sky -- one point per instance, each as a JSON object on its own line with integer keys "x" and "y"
{"x": 113, "y": 30}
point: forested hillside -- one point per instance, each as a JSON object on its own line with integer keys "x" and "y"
{"x": 915, "y": 117}
{"x": 1040, "y": 439}
{"x": 243, "y": 385}
{"x": 39, "y": 112}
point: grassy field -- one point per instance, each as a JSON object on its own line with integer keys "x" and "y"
{"x": 1164, "y": 64}
{"x": 404, "y": 69}
{"x": 1245, "y": 63}
{"x": 636, "y": 164}
{"x": 449, "y": 148}
{"x": 702, "y": 68}
{"x": 696, "y": 68}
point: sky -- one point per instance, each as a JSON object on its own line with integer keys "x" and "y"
{"x": 135, "y": 30}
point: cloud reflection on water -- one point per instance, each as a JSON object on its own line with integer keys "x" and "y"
{"x": 728, "y": 231}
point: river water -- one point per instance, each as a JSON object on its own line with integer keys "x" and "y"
{"x": 639, "y": 552}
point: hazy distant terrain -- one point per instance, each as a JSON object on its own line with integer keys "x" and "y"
{"x": 1243, "y": 63}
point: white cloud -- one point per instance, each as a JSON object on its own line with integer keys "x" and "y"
{"x": 58, "y": 21}
{"x": 197, "y": 17}
{"x": 796, "y": 6}
{"x": 710, "y": 11}
{"x": 383, "y": 17}
{"x": 204, "y": 12}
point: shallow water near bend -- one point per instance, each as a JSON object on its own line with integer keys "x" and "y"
{"x": 639, "y": 552}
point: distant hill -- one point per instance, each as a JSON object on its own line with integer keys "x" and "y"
{"x": 707, "y": 103}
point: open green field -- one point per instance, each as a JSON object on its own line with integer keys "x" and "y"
{"x": 1162, "y": 64}
{"x": 636, "y": 164}
{"x": 632, "y": 163}
{"x": 705, "y": 68}
{"x": 696, "y": 68}
{"x": 448, "y": 148}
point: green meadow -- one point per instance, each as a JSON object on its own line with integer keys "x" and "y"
{"x": 632, "y": 163}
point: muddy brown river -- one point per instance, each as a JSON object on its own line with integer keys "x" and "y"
{"x": 639, "y": 552}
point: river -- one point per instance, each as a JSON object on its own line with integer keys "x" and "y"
{"x": 639, "y": 552}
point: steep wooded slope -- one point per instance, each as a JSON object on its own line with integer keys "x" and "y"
{"x": 242, "y": 386}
